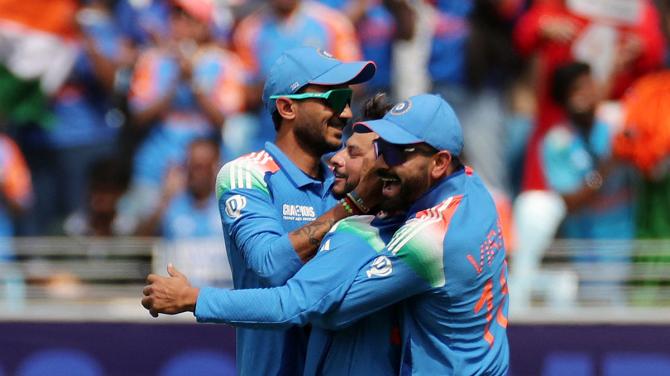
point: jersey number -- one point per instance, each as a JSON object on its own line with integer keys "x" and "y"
{"x": 486, "y": 299}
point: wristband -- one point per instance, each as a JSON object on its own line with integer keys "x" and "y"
{"x": 358, "y": 202}
{"x": 348, "y": 205}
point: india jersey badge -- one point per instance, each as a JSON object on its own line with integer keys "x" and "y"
{"x": 381, "y": 267}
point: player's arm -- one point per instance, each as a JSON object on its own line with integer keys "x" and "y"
{"x": 313, "y": 291}
{"x": 306, "y": 239}
{"x": 254, "y": 226}
{"x": 385, "y": 280}
{"x": 411, "y": 264}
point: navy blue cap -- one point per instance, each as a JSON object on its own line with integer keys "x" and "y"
{"x": 422, "y": 118}
{"x": 301, "y": 66}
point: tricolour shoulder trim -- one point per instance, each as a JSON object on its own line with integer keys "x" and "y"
{"x": 420, "y": 241}
{"x": 360, "y": 227}
{"x": 246, "y": 172}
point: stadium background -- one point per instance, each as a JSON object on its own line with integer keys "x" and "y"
{"x": 98, "y": 183}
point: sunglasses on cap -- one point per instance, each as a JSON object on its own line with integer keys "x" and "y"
{"x": 337, "y": 99}
{"x": 395, "y": 154}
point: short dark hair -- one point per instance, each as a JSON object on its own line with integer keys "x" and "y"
{"x": 276, "y": 119}
{"x": 564, "y": 79}
{"x": 212, "y": 141}
{"x": 376, "y": 106}
{"x": 108, "y": 173}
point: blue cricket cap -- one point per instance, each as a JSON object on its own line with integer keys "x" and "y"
{"x": 422, "y": 118}
{"x": 301, "y": 66}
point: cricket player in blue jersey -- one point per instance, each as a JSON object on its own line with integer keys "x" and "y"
{"x": 372, "y": 346}
{"x": 276, "y": 204}
{"x": 452, "y": 282}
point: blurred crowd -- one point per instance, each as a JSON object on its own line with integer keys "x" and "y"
{"x": 117, "y": 114}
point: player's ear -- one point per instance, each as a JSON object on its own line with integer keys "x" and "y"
{"x": 286, "y": 108}
{"x": 440, "y": 165}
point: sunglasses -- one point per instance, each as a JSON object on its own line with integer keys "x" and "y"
{"x": 337, "y": 99}
{"x": 395, "y": 154}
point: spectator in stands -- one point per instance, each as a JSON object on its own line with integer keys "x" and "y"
{"x": 187, "y": 217}
{"x": 578, "y": 162}
{"x": 182, "y": 89}
{"x": 471, "y": 65}
{"x": 143, "y": 22}
{"x": 645, "y": 141}
{"x": 107, "y": 182}
{"x": 280, "y": 25}
{"x": 378, "y": 24}
{"x": 597, "y": 189}
{"x": 188, "y": 206}
{"x": 84, "y": 125}
{"x": 621, "y": 41}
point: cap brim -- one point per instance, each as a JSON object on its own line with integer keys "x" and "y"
{"x": 347, "y": 74}
{"x": 388, "y": 131}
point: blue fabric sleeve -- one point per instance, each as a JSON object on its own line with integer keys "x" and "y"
{"x": 315, "y": 290}
{"x": 257, "y": 232}
{"x": 385, "y": 280}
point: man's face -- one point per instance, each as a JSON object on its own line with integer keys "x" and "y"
{"x": 583, "y": 97}
{"x": 185, "y": 27}
{"x": 202, "y": 164}
{"x": 352, "y": 162}
{"x": 317, "y": 126}
{"x": 284, "y": 6}
{"x": 404, "y": 183}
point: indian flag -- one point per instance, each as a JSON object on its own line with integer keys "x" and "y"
{"x": 37, "y": 52}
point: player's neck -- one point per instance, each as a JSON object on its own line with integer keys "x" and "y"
{"x": 307, "y": 160}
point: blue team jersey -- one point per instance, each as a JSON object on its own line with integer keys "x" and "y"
{"x": 449, "y": 42}
{"x": 452, "y": 284}
{"x": 262, "y": 197}
{"x": 184, "y": 220}
{"x": 568, "y": 157}
{"x": 447, "y": 264}
{"x": 365, "y": 348}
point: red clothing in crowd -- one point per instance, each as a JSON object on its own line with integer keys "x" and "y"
{"x": 551, "y": 54}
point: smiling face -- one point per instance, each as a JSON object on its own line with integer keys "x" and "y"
{"x": 352, "y": 162}
{"x": 317, "y": 126}
{"x": 405, "y": 182}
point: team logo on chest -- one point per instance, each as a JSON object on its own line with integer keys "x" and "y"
{"x": 298, "y": 212}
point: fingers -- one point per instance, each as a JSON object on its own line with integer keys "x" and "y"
{"x": 173, "y": 272}
{"x": 148, "y": 303}
{"x": 147, "y": 290}
{"x": 151, "y": 278}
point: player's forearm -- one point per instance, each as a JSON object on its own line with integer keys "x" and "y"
{"x": 251, "y": 308}
{"x": 271, "y": 257}
{"x": 306, "y": 239}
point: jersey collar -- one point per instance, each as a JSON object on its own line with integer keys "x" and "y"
{"x": 448, "y": 186}
{"x": 298, "y": 177}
